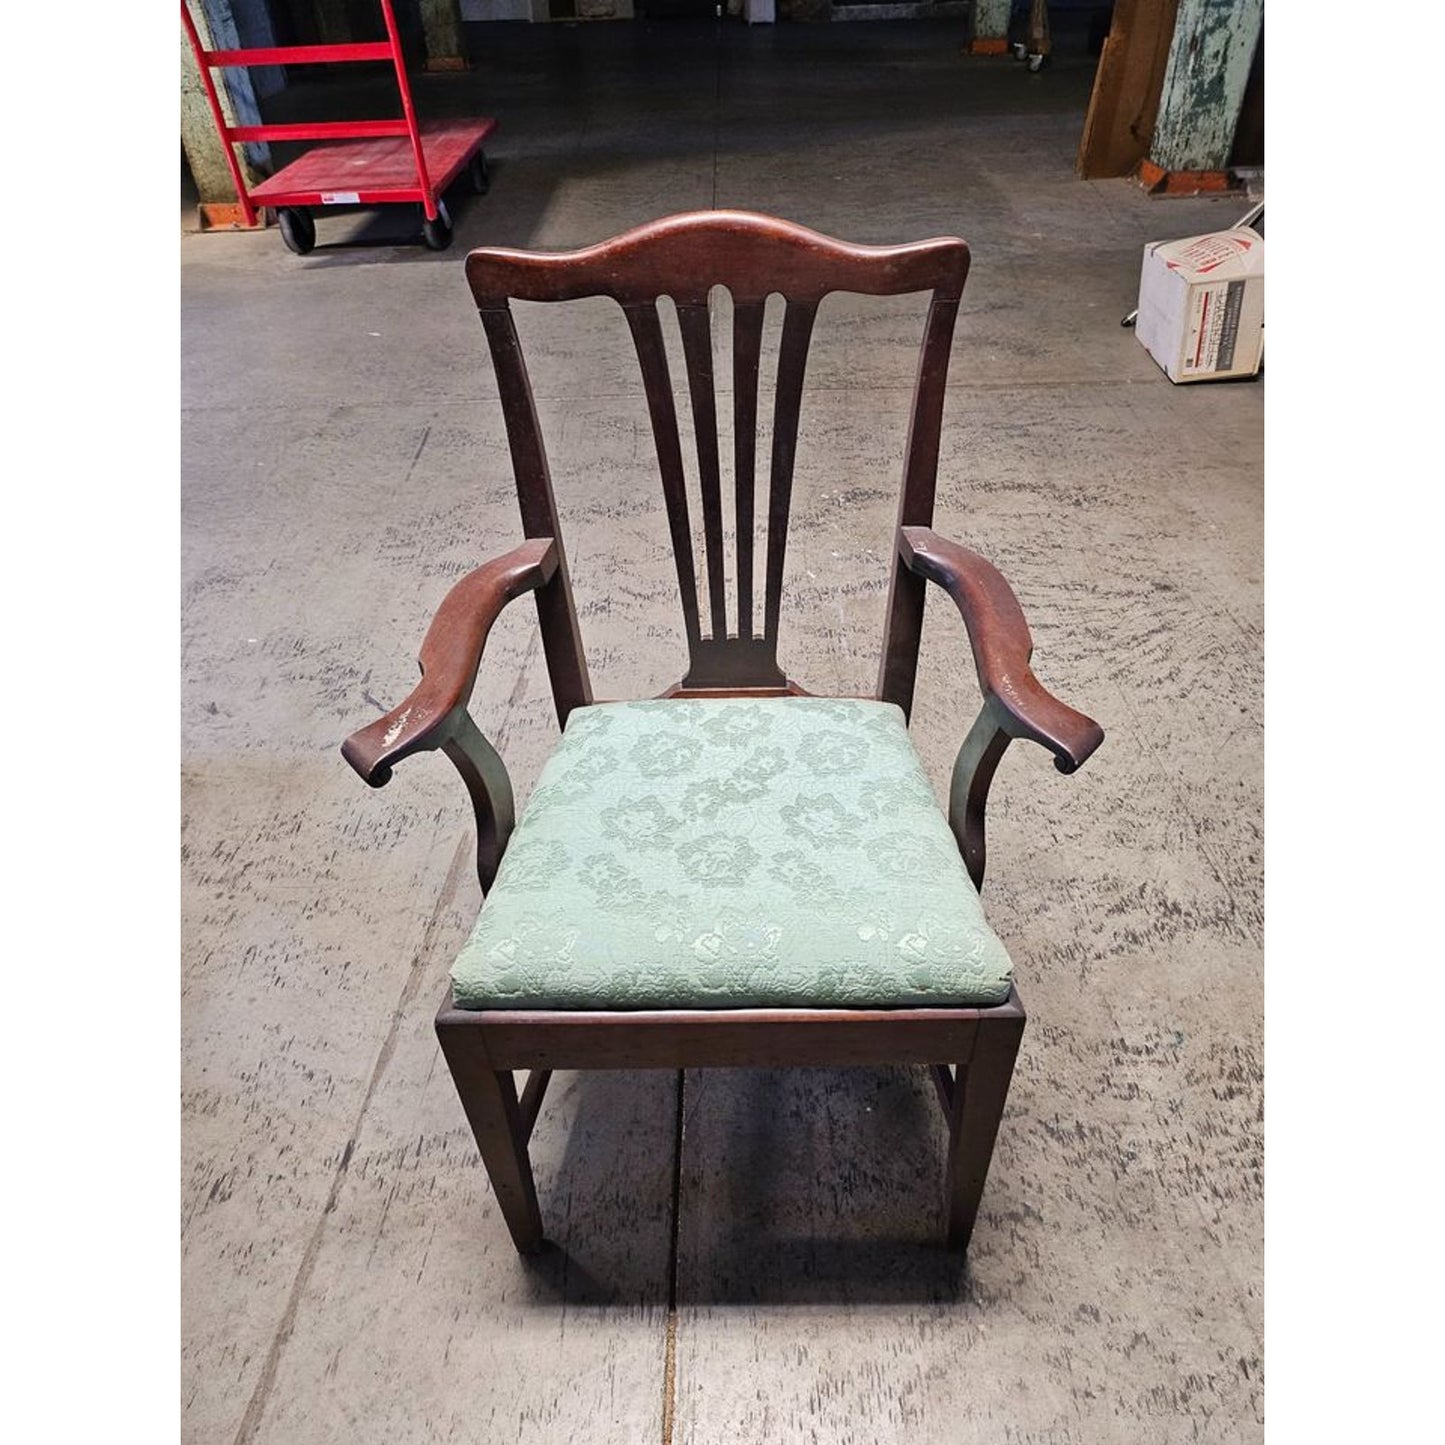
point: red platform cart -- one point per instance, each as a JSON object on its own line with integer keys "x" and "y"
{"x": 382, "y": 162}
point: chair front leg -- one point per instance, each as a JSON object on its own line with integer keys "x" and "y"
{"x": 975, "y": 1109}
{"x": 489, "y": 1097}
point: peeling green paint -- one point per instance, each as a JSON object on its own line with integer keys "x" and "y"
{"x": 990, "y": 18}
{"x": 204, "y": 152}
{"x": 1209, "y": 60}
{"x": 442, "y": 25}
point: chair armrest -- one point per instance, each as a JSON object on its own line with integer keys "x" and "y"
{"x": 450, "y": 655}
{"x": 1002, "y": 647}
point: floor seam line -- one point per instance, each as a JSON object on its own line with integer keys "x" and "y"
{"x": 669, "y": 1362}
{"x": 256, "y": 1406}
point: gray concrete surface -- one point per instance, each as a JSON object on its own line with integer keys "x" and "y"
{"x": 346, "y": 1274}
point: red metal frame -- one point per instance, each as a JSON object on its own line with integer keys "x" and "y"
{"x": 455, "y": 144}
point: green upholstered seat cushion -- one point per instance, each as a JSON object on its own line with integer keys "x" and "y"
{"x": 732, "y": 853}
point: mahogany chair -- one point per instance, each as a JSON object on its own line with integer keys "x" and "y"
{"x": 736, "y": 874}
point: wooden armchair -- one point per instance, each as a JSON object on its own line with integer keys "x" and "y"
{"x": 736, "y": 873}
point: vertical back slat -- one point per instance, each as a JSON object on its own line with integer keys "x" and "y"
{"x": 646, "y": 327}
{"x": 788, "y": 403}
{"x": 697, "y": 352}
{"x": 747, "y": 349}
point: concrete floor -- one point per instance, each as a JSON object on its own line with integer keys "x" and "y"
{"x": 346, "y": 1274}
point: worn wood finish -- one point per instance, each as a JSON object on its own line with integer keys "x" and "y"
{"x": 975, "y": 1112}
{"x": 490, "y": 789}
{"x": 1002, "y": 647}
{"x": 1210, "y": 57}
{"x": 792, "y": 363}
{"x": 685, "y": 256}
{"x": 697, "y": 351}
{"x": 435, "y": 714}
{"x": 556, "y": 612}
{"x": 754, "y": 257}
{"x": 973, "y": 771}
{"x": 747, "y": 353}
{"x": 646, "y": 327}
{"x": 719, "y": 1038}
{"x": 1016, "y": 704}
{"x": 489, "y": 1096}
{"x": 1125, "y": 99}
{"x": 450, "y": 655}
{"x": 903, "y": 625}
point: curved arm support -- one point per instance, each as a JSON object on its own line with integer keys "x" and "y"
{"x": 1016, "y": 704}
{"x": 490, "y": 790}
{"x": 977, "y": 761}
{"x": 435, "y": 714}
{"x": 1021, "y": 706}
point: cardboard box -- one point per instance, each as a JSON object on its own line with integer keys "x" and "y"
{"x": 1201, "y": 305}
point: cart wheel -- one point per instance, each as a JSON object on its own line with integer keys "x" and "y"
{"x": 479, "y": 175}
{"x": 1036, "y": 63}
{"x": 438, "y": 233}
{"x": 298, "y": 230}
{"x": 1020, "y": 50}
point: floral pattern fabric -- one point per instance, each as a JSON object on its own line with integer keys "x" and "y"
{"x": 732, "y": 853}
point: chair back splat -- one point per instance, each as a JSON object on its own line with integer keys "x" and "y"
{"x": 753, "y": 256}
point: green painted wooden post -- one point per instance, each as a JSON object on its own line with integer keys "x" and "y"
{"x": 333, "y": 23}
{"x": 990, "y": 27}
{"x": 442, "y": 25}
{"x": 199, "y": 141}
{"x": 1209, "y": 60}
{"x": 990, "y": 18}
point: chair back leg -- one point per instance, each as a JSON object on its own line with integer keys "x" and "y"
{"x": 975, "y": 1109}
{"x": 490, "y": 1099}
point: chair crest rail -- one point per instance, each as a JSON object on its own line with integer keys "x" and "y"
{"x": 754, "y": 257}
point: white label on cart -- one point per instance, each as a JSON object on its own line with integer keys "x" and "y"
{"x": 339, "y": 198}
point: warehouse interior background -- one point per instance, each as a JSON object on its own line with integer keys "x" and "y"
{"x": 334, "y": 429}
{"x": 773, "y": 1278}
{"x": 346, "y": 1273}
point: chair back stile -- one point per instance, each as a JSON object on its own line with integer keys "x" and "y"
{"x": 752, "y": 257}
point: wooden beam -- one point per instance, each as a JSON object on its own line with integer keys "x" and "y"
{"x": 442, "y": 26}
{"x": 1120, "y": 124}
{"x": 990, "y": 28}
{"x": 1209, "y": 62}
{"x": 203, "y": 147}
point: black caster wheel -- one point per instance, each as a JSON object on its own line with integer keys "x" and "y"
{"x": 438, "y": 233}
{"x": 479, "y": 175}
{"x": 298, "y": 230}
